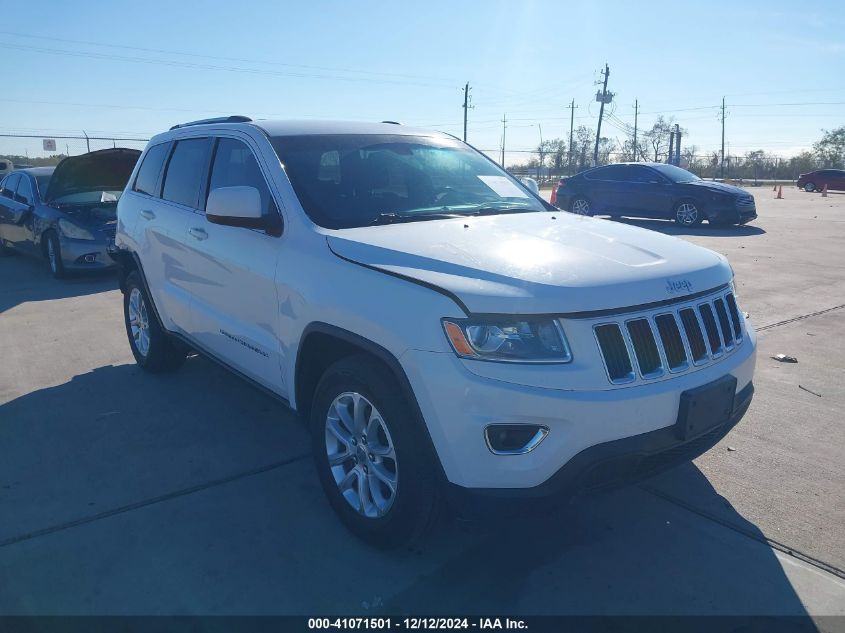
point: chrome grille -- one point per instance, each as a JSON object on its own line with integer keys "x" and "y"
{"x": 672, "y": 340}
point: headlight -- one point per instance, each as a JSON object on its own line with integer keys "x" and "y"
{"x": 73, "y": 231}
{"x": 514, "y": 341}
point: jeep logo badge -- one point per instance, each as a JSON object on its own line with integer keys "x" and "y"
{"x": 673, "y": 286}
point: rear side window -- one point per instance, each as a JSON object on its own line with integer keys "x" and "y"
{"x": 185, "y": 171}
{"x": 150, "y": 169}
{"x": 235, "y": 165}
{"x": 611, "y": 172}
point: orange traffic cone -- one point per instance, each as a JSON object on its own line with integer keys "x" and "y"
{"x": 824, "y": 191}
{"x": 775, "y": 188}
{"x": 780, "y": 193}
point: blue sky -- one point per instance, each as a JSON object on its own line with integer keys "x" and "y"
{"x": 137, "y": 68}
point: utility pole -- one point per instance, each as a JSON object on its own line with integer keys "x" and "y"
{"x": 636, "y": 112}
{"x": 504, "y": 127}
{"x": 467, "y": 106}
{"x": 540, "y": 166}
{"x": 722, "y": 165}
{"x": 601, "y": 114}
{"x": 571, "y": 107}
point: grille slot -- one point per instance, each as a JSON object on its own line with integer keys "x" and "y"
{"x": 645, "y": 348}
{"x": 734, "y": 312}
{"x": 710, "y": 328}
{"x": 615, "y": 353}
{"x": 673, "y": 344}
{"x": 724, "y": 322}
{"x": 695, "y": 337}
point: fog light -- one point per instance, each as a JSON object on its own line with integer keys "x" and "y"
{"x": 514, "y": 439}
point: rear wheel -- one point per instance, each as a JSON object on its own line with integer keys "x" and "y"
{"x": 369, "y": 448}
{"x": 809, "y": 187}
{"x": 53, "y": 251}
{"x": 687, "y": 213}
{"x": 153, "y": 348}
{"x": 581, "y": 206}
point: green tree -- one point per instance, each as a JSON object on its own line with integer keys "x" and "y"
{"x": 830, "y": 150}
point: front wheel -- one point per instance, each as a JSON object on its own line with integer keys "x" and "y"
{"x": 581, "y": 206}
{"x": 369, "y": 449}
{"x": 154, "y": 349}
{"x": 53, "y": 251}
{"x": 687, "y": 213}
{"x": 809, "y": 187}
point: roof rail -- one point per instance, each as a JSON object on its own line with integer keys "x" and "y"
{"x": 392, "y": 122}
{"x": 235, "y": 118}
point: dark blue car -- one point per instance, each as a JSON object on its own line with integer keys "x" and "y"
{"x": 654, "y": 190}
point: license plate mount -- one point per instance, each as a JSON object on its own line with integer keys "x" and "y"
{"x": 705, "y": 408}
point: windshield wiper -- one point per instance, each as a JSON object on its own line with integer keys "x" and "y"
{"x": 396, "y": 218}
{"x": 489, "y": 209}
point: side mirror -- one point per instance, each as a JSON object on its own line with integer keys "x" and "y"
{"x": 240, "y": 206}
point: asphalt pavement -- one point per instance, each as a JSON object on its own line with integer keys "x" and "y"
{"x": 193, "y": 493}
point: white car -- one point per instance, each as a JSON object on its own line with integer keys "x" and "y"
{"x": 448, "y": 335}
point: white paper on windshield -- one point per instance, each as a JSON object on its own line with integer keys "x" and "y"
{"x": 503, "y": 187}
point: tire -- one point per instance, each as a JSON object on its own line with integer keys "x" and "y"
{"x": 581, "y": 206}
{"x": 153, "y": 348}
{"x": 53, "y": 253}
{"x": 398, "y": 482}
{"x": 809, "y": 187}
{"x": 687, "y": 213}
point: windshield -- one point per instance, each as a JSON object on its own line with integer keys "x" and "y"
{"x": 676, "y": 174}
{"x": 346, "y": 181}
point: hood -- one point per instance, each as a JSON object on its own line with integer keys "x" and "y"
{"x": 103, "y": 170}
{"x": 535, "y": 263}
{"x": 718, "y": 187}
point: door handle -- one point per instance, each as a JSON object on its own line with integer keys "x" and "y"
{"x": 147, "y": 214}
{"x": 198, "y": 234}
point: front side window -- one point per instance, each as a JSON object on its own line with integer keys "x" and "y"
{"x": 185, "y": 171}
{"x": 351, "y": 180}
{"x": 235, "y": 165}
{"x": 150, "y": 169}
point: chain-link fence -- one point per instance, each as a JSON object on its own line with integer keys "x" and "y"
{"x": 36, "y": 150}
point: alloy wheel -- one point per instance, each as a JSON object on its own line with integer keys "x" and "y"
{"x": 809, "y": 187}
{"x": 52, "y": 257}
{"x": 361, "y": 455}
{"x": 687, "y": 213}
{"x": 581, "y": 206}
{"x": 139, "y": 322}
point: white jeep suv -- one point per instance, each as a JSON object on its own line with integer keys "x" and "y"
{"x": 448, "y": 335}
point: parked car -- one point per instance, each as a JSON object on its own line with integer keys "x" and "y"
{"x": 833, "y": 179}
{"x": 66, "y": 214}
{"x": 447, "y": 334}
{"x": 654, "y": 190}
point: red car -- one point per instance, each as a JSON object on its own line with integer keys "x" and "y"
{"x": 816, "y": 180}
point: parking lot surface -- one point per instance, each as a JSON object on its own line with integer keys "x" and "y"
{"x": 193, "y": 493}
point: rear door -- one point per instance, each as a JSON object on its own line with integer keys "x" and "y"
{"x": 234, "y": 314}
{"x": 606, "y": 188}
{"x": 168, "y": 200}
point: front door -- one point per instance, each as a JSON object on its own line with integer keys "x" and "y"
{"x": 650, "y": 194}
{"x": 234, "y": 311}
